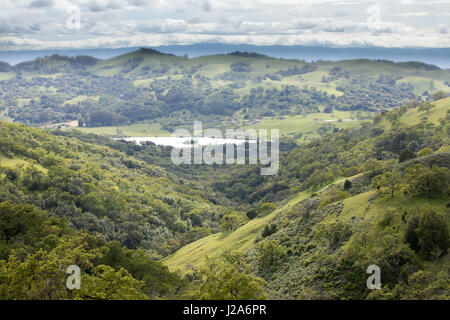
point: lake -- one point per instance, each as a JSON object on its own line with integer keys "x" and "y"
{"x": 183, "y": 142}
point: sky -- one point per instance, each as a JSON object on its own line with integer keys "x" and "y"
{"x": 82, "y": 24}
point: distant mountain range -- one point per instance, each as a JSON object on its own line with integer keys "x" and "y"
{"x": 437, "y": 56}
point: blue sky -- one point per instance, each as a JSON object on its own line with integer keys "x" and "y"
{"x": 64, "y": 24}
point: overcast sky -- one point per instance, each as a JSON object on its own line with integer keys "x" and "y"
{"x": 63, "y": 24}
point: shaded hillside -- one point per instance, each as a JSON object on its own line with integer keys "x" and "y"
{"x": 101, "y": 190}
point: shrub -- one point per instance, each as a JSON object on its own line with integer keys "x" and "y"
{"x": 405, "y": 155}
{"x": 441, "y": 94}
{"x": 252, "y": 213}
{"x": 230, "y": 222}
{"x": 347, "y": 184}
{"x": 271, "y": 253}
{"x": 424, "y": 152}
{"x": 269, "y": 229}
{"x": 266, "y": 208}
{"x": 432, "y": 232}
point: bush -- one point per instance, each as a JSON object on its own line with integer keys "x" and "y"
{"x": 347, "y": 184}
{"x": 252, "y": 213}
{"x": 230, "y": 222}
{"x": 432, "y": 233}
{"x": 405, "y": 155}
{"x": 424, "y": 152}
{"x": 334, "y": 232}
{"x": 271, "y": 253}
{"x": 441, "y": 94}
{"x": 266, "y": 208}
{"x": 268, "y": 230}
{"x": 428, "y": 234}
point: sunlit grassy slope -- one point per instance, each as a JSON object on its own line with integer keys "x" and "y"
{"x": 194, "y": 254}
{"x": 359, "y": 206}
{"x": 13, "y": 162}
{"x": 413, "y": 116}
{"x": 242, "y": 239}
{"x": 423, "y": 84}
{"x": 213, "y": 65}
{"x": 307, "y": 124}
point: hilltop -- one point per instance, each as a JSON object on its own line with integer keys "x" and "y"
{"x": 150, "y": 92}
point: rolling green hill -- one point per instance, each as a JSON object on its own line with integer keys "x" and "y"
{"x": 146, "y": 88}
{"x": 363, "y": 180}
{"x": 319, "y": 244}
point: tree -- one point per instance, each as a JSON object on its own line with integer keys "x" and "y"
{"x": 347, "y": 184}
{"x": 425, "y": 107}
{"x": 107, "y": 284}
{"x": 390, "y": 180}
{"x": 269, "y": 229}
{"x": 384, "y": 248}
{"x": 372, "y": 165}
{"x": 230, "y": 221}
{"x": 159, "y": 282}
{"x": 267, "y": 207}
{"x": 441, "y": 94}
{"x": 334, "y": 232}
{"x": 252, "y": 213}
{"x": 411, "y": 234}
{"x": 271, "y": 253}
{"x": 41, "y": 275}
{"x": 227, "y": 278}
{"x": 422, "y": 181}
{"x": 406, "y": 154}
{"x": 432, "y": 233}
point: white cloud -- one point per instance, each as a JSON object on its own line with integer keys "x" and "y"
{"x": 42, "y": 23}
{"x": 442, "y": 28}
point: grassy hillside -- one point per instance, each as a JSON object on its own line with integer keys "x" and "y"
{"x": 370, "y": 188}
{"x": 213, "y": 246}
{"x": 147, "y": 86}
{"x": 438, "y": 111}
{"x": 319, "y": 244}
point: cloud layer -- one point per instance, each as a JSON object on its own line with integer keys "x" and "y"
{"x": 49, "y": 24}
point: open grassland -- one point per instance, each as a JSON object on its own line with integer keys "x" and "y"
{"x": 289, "y": 126}
{"x": 6, "y": 75}
{"x": 421, "y": 84}
{"x": 308, "y": 124}
{"x": 414, "y": 116}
